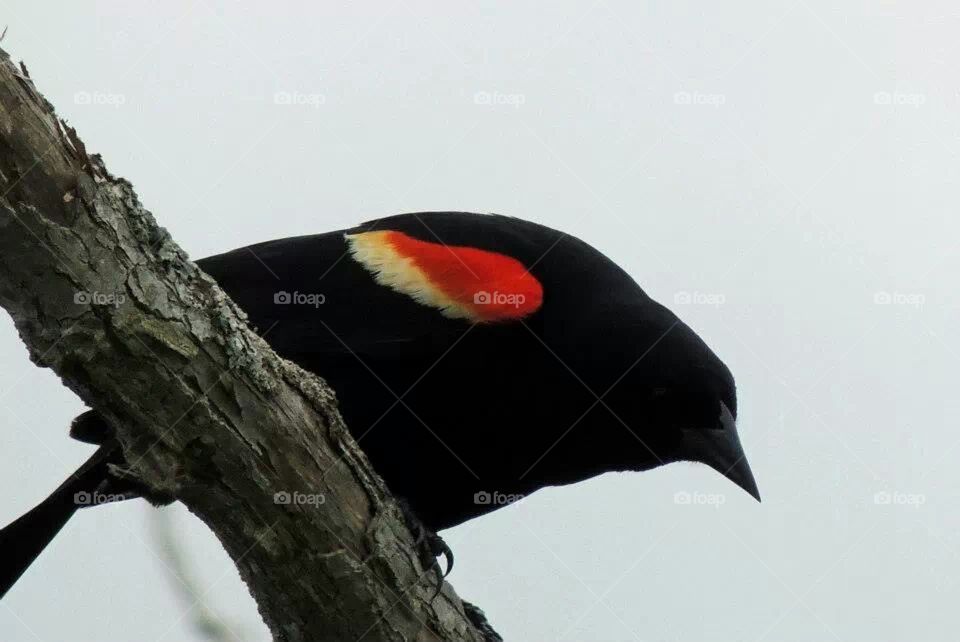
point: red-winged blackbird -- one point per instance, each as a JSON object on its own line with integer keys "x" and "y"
{"x": 476, "y": 358}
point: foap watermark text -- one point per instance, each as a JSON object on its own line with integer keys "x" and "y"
{"x": 84, "y": 297}
{"x": 314, "y": 299}
{"x": 296, "y": 498}
{"x": 495, "y": 498}
{"x": 498, "y": 298}
{"x": 696, "y": 498}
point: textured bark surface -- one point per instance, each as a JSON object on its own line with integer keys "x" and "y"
{"x": 206, "y": 412}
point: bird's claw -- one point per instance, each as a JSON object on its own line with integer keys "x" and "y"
{"x": 429, "y": 546}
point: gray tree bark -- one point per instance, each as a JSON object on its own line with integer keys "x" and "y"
{"x": 204, "y": 409}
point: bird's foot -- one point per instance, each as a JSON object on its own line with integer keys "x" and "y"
{"x": 430, "y": 546}
{"x": 90, "y": 427}
{"x": 123, "y": 480}
{"x": 120, "y": 483}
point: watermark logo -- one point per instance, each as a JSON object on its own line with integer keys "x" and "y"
{"x": 99, "y": 98}
{"x": 83, "y": 297}
{"x": 285, "y": 498}
{"x": 483, "y": 297}
{"x": 314, "y": 299}
{"x": 698, "y": 98}
{"x": 298, "y": 99}
{"x": 495, "y": 498}
{"x": 83, "y": 498}
{"x": 714, "y": 299}
{"x": 686, "y": 498}
{"x": 899, "y": 99}
{"x": 910, "y": 299}
{"x": 498, "y": 99}
{"x": 897, "y": 498}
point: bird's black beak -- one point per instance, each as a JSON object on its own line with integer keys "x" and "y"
{"x": 721, "y": 450}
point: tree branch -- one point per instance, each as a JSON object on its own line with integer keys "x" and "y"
{"x": 204, "y": 410}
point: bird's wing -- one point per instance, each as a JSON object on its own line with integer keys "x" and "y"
{"x": 385, "y": 288}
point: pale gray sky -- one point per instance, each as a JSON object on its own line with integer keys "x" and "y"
{"x": 788, "y": 167}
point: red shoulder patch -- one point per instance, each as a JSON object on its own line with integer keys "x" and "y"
{"x": 462, "y": 282}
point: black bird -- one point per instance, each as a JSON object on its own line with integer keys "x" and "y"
{"x": 476, "y": 358}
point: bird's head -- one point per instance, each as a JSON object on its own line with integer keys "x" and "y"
{"x": 680, "y": 401}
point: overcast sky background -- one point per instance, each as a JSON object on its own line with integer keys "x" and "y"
{"x": 789, "y": 168}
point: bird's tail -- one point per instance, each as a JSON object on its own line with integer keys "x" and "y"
{"x": 22, "y": 541}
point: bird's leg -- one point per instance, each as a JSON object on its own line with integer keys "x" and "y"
{"x": 429, "y": 545}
